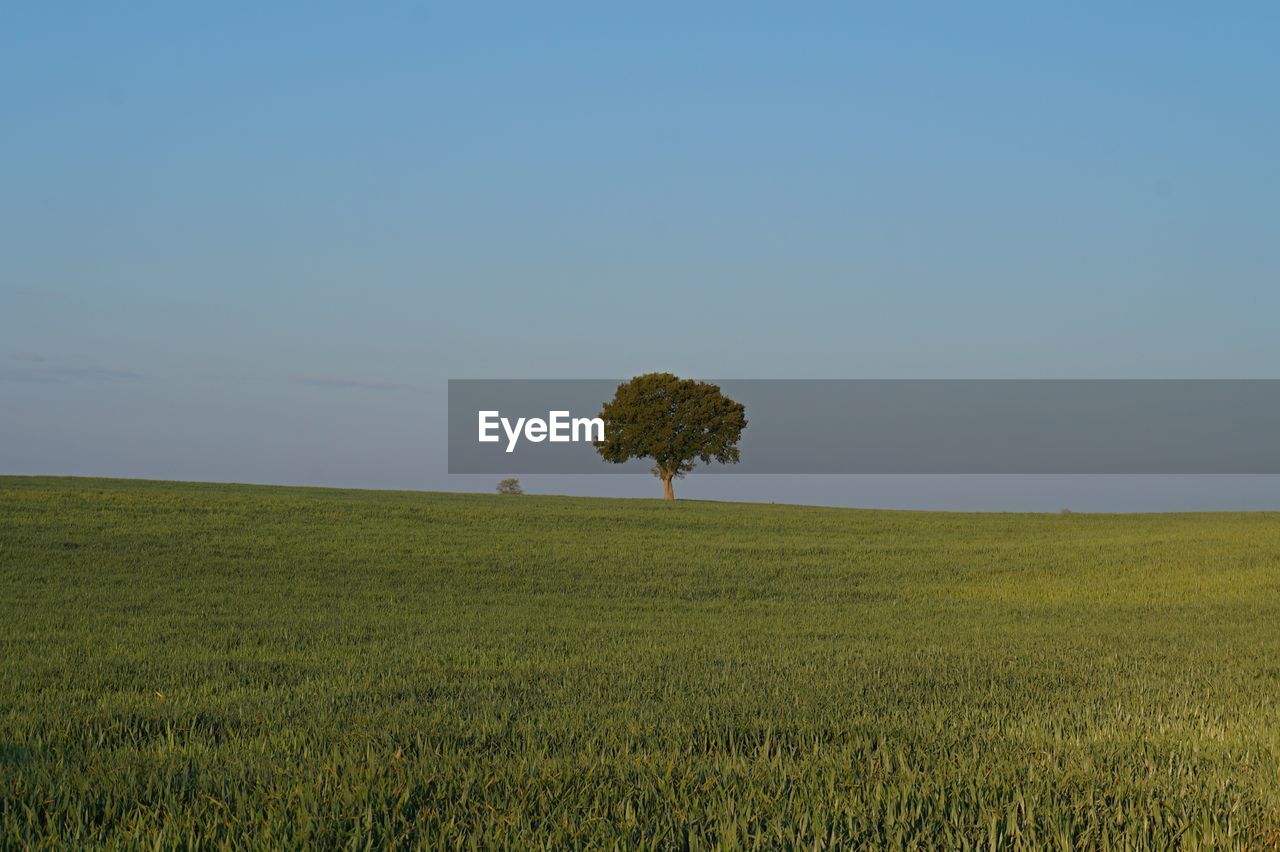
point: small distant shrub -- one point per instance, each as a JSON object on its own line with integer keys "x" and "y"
{"x": 509, "y": 486}
{"x": 1065, "y": 512}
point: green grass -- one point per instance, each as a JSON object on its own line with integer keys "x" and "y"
{"x": 215, "y": 665}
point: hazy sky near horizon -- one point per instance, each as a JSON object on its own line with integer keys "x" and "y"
{"x": 252, "y": 241}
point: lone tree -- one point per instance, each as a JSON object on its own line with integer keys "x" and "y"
{"x": 673, "y": 421}
{"x": 509, "y": 486}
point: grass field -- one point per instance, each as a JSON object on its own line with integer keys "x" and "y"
{"x": 206, "y": 665}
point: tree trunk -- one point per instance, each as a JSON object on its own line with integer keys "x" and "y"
{"x": 668, "y": 492}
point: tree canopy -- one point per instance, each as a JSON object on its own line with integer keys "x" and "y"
{"x": 509, "y": 486}
{"x": 676, "y": 422}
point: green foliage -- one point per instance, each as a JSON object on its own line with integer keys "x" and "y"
{"x": 509, "y": 486}
{"x": 254, "y": 667}
{"x": 673, "y": 421}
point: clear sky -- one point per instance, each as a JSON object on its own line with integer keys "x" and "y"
{"x": 248, "y": 243}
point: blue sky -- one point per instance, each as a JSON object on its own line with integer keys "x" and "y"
{"x": 252, "y": 244}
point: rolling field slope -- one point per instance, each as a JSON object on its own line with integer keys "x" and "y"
{"x": 186, "y": 664}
